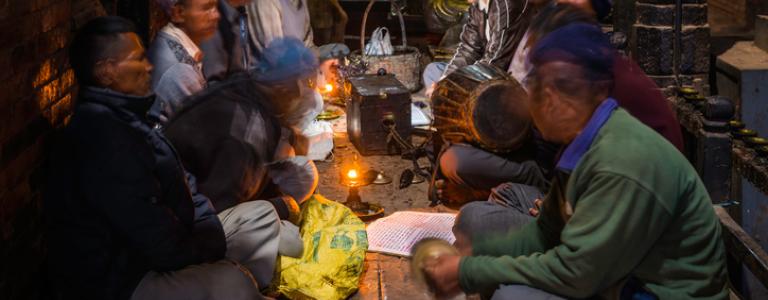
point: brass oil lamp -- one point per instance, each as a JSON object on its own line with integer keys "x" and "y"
{"x": 353, "y": 177}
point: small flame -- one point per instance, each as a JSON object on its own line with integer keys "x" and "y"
{"x": 352, "y": 174}
{"x": 328, "y": 88}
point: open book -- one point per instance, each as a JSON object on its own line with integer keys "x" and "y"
{"x": 397, "y": 233}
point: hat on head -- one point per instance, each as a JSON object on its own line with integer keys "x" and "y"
{"x": 602, "y": 8}
{"x": 167, "y": 5}
{"x": 581, "y": 44}
{"x": 286, "y": 58}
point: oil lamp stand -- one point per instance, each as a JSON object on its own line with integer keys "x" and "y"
{"x": 364, "y": 210}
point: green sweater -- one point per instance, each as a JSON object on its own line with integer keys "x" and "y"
{"x": 638, "y": 209}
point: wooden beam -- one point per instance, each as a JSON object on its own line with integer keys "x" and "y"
{"x": 750, "y": 166}
{"x": 742, "y": 247}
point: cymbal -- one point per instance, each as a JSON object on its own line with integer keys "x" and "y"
{"x": 422, "y": 251}
{"x": 381, "y": 178}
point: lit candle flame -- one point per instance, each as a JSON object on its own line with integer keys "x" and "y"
{"x": 352, "y": 174}
{"x": 328, "y": 88}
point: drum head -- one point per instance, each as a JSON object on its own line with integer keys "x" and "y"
{"x": 501, "y": 119}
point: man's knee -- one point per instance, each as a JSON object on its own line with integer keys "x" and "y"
{"x": 218, "y": 280}
{"x": 456, "y": 162}
{"x": 488, "y": 218}
{"x": 516, "y": 196}
{"x": 259, "y": 214}
{"x": 433, "y": 72}
{"x": 472, "y": 215}
{"x": 332, "y": 50}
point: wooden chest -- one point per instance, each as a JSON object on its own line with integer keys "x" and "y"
{"x": 376, "y": 99}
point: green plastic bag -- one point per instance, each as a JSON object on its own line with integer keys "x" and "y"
{"x": 335, "y": 243}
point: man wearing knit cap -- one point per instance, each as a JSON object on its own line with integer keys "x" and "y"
{"x": 176, "y": 55}
{"x": 465, "y": 166}
{"x": 627, "y": 216}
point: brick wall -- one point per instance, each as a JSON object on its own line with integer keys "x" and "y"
{"x": 36, "y": 94}
{"x": 649, "y": 25}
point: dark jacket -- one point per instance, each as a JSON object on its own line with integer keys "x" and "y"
{"x": 119, "y": 204}
{"x": 225, "y": 136}
{"x": 508, "y": 21}
{"x": 639, "y": 95}
{"x": 223, "y": 53}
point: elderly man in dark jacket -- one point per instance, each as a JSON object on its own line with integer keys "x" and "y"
{"x": 124, "y": 218}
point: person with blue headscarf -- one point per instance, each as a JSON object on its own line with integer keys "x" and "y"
{"x": 239, "y": 138}
{"x": 627, "y": 216}
{"x": 234, "y": 130}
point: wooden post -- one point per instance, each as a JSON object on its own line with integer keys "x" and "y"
{"x": 712, "y": 148}
{"x": 713, "y": 159}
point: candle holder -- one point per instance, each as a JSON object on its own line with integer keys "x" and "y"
{"x": 353, "y": 179}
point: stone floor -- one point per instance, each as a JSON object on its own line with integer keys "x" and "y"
{"x": 389, "y": 196}
{"x": 385, "y": 276}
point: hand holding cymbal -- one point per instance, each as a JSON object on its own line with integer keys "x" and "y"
{"x": 435, "y": 266}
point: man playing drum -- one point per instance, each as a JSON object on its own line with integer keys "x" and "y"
{"x": 466, "y": 167}
{"x": 491, "y": 35}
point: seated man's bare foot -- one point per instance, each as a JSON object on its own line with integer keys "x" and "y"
{"x": 455, "y": 195}
{"x": 536, "y": 209}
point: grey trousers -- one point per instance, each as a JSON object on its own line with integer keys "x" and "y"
{"x": 482, "y": 170}
{"x": 506, "y": 209}
{"x": 254, "y": 233}
{"x": 517, "y": 292}
{"x": 332, "y": 50}
{"x": 433, "y": 72}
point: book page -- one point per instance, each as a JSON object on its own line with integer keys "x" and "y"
{"x": 397, "y": 233}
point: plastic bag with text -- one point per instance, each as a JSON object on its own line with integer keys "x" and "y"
{"x": 335, "y": 242}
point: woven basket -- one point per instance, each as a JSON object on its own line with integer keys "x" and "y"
{"x": 404, "y": 63}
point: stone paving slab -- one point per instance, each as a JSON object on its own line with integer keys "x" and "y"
{"x": 385, "y": 276}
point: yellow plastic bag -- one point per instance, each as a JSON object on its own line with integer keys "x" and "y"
{"x": 335, "y": 243}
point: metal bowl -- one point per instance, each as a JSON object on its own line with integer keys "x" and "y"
{"x": 328, "y": 115}
{"x": 762, "y": 151}
{"x": 366, "y": 211}
{"x": 744, "y": 133}
{"x": 735, "y": 125}
{"x": 756, "y": 141}
{"x": 695, "y": 98}
{"x": 686, "y": 91}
